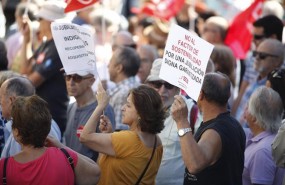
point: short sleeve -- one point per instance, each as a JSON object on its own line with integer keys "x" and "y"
{"x": 124, "y": 143}
{"x": 262, "y": 170}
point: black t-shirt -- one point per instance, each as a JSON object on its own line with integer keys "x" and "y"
{"x": 228, "y": 169}
{"x": 53, "y": 89}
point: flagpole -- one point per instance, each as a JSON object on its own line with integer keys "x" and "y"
{"x": 192, "y": 20}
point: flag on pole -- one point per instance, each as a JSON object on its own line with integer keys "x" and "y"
{"x": 163, "y": 9}
{"x": 239, "y": 33}
{"x": 75, "y": 5}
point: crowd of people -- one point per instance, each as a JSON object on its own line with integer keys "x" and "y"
{"x": 126, "y": 125}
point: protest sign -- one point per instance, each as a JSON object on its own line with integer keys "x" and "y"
{"x": 185, "y": 60}
{"x": 75, "y": 45}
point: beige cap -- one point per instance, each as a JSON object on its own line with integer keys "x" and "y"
{"x": 155, "y": 69}
{"x": 52, "y": 10}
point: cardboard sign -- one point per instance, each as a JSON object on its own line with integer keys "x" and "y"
{"x": 185, "y": 60}
{"x": 75, "y": 45}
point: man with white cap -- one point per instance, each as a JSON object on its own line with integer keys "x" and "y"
{"x": 79, "y": 85}
{"x": 43, "y": 66}
{"x": 172, "y": 157}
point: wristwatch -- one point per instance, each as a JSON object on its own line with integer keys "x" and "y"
{"x": 181, "y": 132}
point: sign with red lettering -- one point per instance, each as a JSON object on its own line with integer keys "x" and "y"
{"x": 185, "y": 57}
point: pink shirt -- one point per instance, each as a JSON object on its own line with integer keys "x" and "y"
{"x": 51, "y": 168}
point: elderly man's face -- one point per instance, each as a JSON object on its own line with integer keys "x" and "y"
{"x": 265, "y": 59}
{"x": 165, "y": 90}
{"x": 77, "y": 85}
{"x": 147, "y": 59}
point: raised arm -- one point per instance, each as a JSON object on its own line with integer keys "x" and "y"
{"x": 26, "y": 50}
{"x": 100, "y": 142}
{"x": 27, "y": 53}
{"x": 196, "y": 156}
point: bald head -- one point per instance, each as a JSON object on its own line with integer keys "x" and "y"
{"x": 273, "y": 47}
{"x": 11, "y": 89}
{"x": 217, "y": 88}
{"x": 19, "y": 86}
{"x": 123, "y": 38}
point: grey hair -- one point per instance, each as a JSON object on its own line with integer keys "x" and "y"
{"x": 217, "y": 88}
{"x": 20, "y": 86}
{"x": 266, "y": 106}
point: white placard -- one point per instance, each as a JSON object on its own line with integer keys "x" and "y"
{"x": 75, "y": 45}
{"x": 185, "y": 60}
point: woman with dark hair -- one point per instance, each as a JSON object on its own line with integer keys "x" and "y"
{"x": 131, "y": 156}
{"x": 37, "y": 164}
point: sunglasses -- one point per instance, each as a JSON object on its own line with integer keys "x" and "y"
{"x": 277, "y": 73}
{"x": 158, "y": 85}
{"x": 262, "y": 55}
{"x": 76, "y": 78}
{"x": 258, "y": 37}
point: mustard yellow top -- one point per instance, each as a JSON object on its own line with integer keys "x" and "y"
{"x": 131, "y": 158}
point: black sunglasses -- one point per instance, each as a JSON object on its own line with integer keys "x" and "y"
{"x": 76, "y": 78}
{"x": 262, "y": 55}
{"x": 258, "y": 37}
{"x": 158, "y": 84}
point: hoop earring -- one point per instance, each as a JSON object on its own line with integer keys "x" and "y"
{"x": 139, "y": 120}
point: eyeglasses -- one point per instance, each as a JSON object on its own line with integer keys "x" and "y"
{"x": 262, "y": 55}
{"x": 210, "y": 30}
{"x": 76, "y": 78}
{"x": 158, "y": 84}
{"x": 258, "y": 37}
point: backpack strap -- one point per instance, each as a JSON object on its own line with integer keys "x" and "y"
{"x": 4, "y": 179}
{"x": 193, "y": 117}
{"x": 69, "y": 158}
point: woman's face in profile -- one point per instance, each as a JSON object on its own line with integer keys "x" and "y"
{"x": 129, "y": 112}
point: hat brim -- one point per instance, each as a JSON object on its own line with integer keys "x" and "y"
{"x": 47, "y": 15}
{"x": 80, "y": 73}
{"x": 152, "y": 78}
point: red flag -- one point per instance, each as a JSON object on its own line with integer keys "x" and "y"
{"x": 75, "y": 5}
{"x": 163, "y": 9}
{"x": 239, "y": 33}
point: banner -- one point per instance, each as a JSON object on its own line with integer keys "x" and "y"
{"x": 75, "y": 45}
{"x": 76, "y": 5}
{"x": 163, "y": 9}
{"x": 185, "y": 60}
{"x": 239, "y": 35}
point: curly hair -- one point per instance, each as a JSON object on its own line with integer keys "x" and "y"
{"x": 32, "y": 119}
{"x": 150, "y": 109}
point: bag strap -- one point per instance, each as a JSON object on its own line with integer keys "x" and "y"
{"x": 4, "y": 179}
{"x": 193, "y": 117}
{"x": 69, "y": 158}
{"x": 145, "y": 169}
